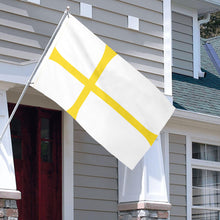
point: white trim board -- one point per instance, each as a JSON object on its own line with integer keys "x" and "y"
{"x": 167, "y": 24}
{"x": 67, "y": 167}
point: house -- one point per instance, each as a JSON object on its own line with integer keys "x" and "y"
{"x": 58, "y": 170}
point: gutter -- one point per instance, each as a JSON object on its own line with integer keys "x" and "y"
{"x": 215, "y": 2}
{"x": 195, "y": 116}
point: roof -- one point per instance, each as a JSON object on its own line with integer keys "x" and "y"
{"x": 200, "y": 95}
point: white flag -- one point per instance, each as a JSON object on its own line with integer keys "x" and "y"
{"x": 119, "y": 107}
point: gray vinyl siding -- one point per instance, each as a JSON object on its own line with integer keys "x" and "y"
{"x": 95, "y": 175}
{"x": 177, "y": 157}
{"x": 182, "y": 33}
{"x": 26, "y": 28}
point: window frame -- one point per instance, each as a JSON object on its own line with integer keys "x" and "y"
{"x": 198, "y": 164}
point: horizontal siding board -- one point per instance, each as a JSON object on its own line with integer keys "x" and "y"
{"x": 94, "y": 193}
{"x": 95, "y": 205}
{"x": 178, "y": 211}
{"x": 134, "y": 50}
{"x": 182, "y": 19}
{"x": 185, "y": 37}
{"x": 34, "y": 11}
{"x": 177, "y": 190}
{"x": 18, "y": 47}
{"x": 10, "y": 52}
{"x": 94, "y": 215}
{"x": 178, "y": 45}
{"x": 183, "y": 64}
{"x": 155, "y": 5}
{"x": 27, "y": 24}
{"x": 150, "y": 29}
{"x": 91, "y": 149}
{"x": 96, "y": 160}
{"x": 95, "y": 182}
{"x": 177, "y": 169}
{"x": 144, "y": 65}
{"x": 180, "y": 148}
{"x": 177, "y": 218}
{"x": 179, "y": 54}
{"x": 123, "y": 34}
{"x": 26, "y": 39}
{"x": 122, "y": 7}
{"x": 96, "y": 171}
{"x": 178, "y": 200}
{"x": 178, "y": 139}
{"x": 178, "y": 179}
{"x": 182, "y": 28}
{"x": 11, "y": 58}
{"x": 83, "y": 137}
{"x": 109, "y": 17}
{"x": 177, "y": 158}
{"x": 182, "y": 71}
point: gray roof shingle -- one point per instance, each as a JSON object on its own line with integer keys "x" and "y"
{"x": 199, "y": 95}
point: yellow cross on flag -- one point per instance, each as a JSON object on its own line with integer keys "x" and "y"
{"x": 119, "y": 107}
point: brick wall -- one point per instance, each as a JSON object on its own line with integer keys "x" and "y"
{"x": 8, "y": 209}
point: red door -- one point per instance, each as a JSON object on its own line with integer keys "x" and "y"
{"x": 36, "y": 142}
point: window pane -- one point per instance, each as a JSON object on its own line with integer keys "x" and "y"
{"x": 206, "y": 152}
{"x": 45, "y": 128}
{"x": 199, "y": 214}
{"x": 212, "y": 152}
{"x": 46, "y": 151}
{"x": 206, "y": 190}
{"x": 17, "y": 149}
{"x": 198, "y": 151}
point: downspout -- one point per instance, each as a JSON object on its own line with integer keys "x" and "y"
{"x": 205, "y": 20}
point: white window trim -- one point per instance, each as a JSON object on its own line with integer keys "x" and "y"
{"x": 194, "y": 163}
{"x": 196, "y": 36}
{"x": 189, "y": 176}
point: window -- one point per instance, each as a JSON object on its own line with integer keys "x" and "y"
{"x": 205, "y": 181}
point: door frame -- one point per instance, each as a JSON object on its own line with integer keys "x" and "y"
{"x": 67, "y": 147}
{"x": 67, "y": 166}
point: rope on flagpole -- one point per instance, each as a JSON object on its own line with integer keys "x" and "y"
{"x": 66, "y": 12}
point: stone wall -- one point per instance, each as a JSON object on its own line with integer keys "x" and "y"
{"x": 144, "y": 211}
{"x": 8, "y": 209}
{"x": 8, "y": 204}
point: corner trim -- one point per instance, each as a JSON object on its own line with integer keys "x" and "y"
{"x": 149, "y": 205}
{"x": 10, "y": 194}
{"x": 167, "y": 24}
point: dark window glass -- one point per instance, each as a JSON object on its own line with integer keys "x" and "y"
{"x": 45, "y": 128}
{"x": 46, "y": 151}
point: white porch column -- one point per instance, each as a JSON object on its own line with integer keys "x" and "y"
{"x": 8, "y": 192}
{"x": 144, "y": 188}
{"x": 7, "y": 180}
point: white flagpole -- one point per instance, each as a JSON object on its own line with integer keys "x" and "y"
{"x": 33, "y": 73}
